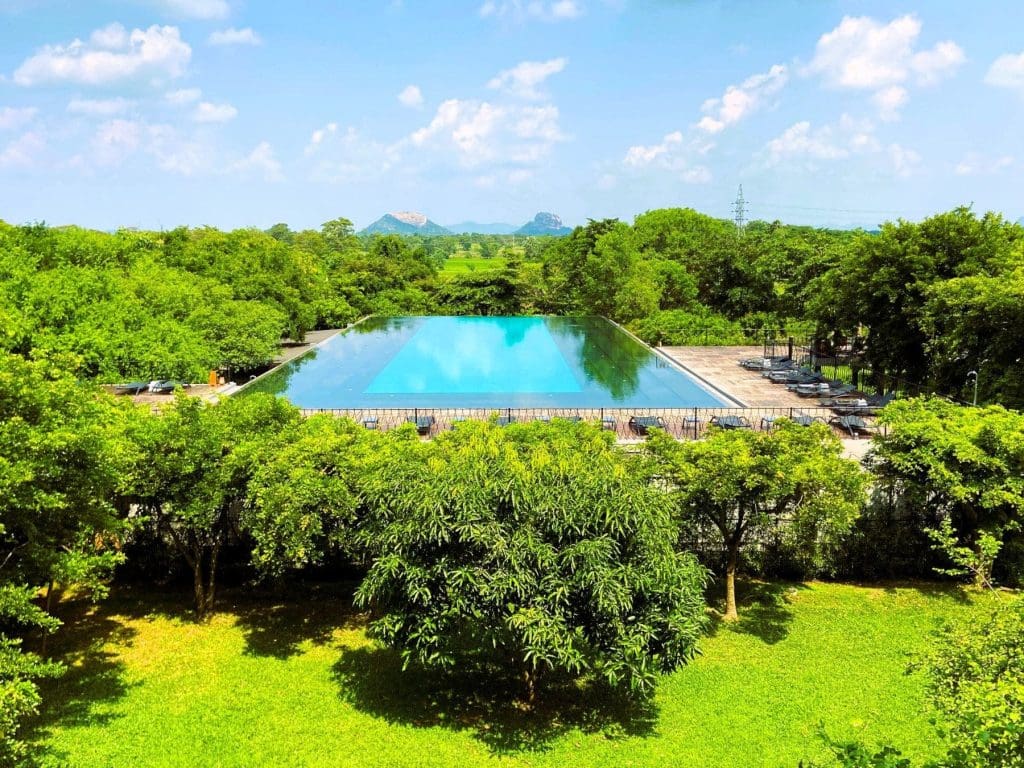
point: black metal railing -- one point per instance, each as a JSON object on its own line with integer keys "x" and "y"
{"x": 626, "y": 423}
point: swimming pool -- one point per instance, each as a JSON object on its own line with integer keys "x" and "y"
{"x": 485, "y": 362}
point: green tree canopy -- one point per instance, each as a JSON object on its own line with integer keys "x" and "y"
{"x": 541, "y": 544}
{"x": 791, "y": 483}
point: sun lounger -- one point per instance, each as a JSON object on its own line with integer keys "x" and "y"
{"x": 731, "y": 422}
{"x": 423, "y": 423}
{"x": 855, "y": 425}
{"x": 131, "y": 388}
{"x": 641, "y": 425}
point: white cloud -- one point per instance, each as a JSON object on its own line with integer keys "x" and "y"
{"x": 865, "y": 54}
{"x": 889, "y": 100}
{"x": 206, "y": 112}
{"x": 976, "y": 164}
{"x": 111, "y": 55}
{"x": 481, "y": 132}
{"x": 645, "y": 155}
{"x": 196, "y": 9}
{"x": 183, "y": 96}
{"x": 262, "y": 160}
{"x": 175, "y": 153}
{"x": 345, "y": 156}
{"x": 524, "y": 10}
{"x": 318, "y": 137}
{"x": 116, "y": 140}
{"x": 22, "y": 151}
{"x": 411, "y": 96}
{"x": 805, "y": 147}
{"x": 738, "y": 101}
{"x": 524, "y": 79}
{"x": 232, "y": 36}
{"x": 99, "y": 107}
{"x": 942, "y": 60}
{"x": 801, "y": 142}
{"x": 904, "y": 161}
{"x": 674, "y": 154}
{"x": 16, "y": 117}
{"x": 539, "y": 123}
{"x": 1007, "y": 72}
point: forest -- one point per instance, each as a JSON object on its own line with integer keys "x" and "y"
{"x": 922, "y": 302}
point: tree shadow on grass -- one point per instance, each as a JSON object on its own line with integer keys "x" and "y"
{"x": 764, "y": 609}
{"x": 277, "y": 626}
{"x": 92, "y": 681}
{"x": 372, "y": 680}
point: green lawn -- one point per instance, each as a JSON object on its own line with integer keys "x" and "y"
{"x": 461, "y": 265}
{"x": 300, "y": 685}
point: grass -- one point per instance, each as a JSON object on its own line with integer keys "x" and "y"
{"x": 266, "y": 683}
{"x": 461, "y": 265}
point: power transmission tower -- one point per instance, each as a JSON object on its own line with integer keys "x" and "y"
{"x": 739, "y": 209}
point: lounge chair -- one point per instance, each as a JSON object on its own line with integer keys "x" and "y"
{"x": 855, "y": 425}
{"x": 504, "y": 421}
{"x": 731, "y": 422}
{"x": 805, "y": 421}
{"x": 608, "y": 422}
{"x": 642, "y": 425}
{"x": 820, "y": 388}
{"x": 865, "y": 406}
{"x": 131, "y": 388}
{"x": 795, "y": 376}
{"x": 370, "y": 422}
{"x": 842, "y": 398}
{"x": 772, "y": 363}
{"x": 423, "y": 423}
{"x": 833, "y": 391}
{"x": 167, "y": 386}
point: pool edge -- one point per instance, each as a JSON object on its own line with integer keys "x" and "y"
{"x": 312, "y": 348}
{"x": 716, "y": 390}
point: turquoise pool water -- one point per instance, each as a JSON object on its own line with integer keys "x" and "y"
{"x": 484, "y": 362}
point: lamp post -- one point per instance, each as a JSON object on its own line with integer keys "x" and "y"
{"x": 974, "y": 375}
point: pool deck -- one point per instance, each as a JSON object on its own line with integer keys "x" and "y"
{"x": 719, "y": 367}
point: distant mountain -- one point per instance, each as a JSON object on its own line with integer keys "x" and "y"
{"x": 544, "y": 224}
{"x": 476, "y": 228}
{"x": 404, "y": 223}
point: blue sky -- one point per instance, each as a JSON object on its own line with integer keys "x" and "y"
{"x": 155, "y": 113}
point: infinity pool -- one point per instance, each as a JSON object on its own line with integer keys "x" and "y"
{"x": 484, "y": 362}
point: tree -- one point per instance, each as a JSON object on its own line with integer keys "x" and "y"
{"x": 304, "y": 500}
{"x": 192, "y": 471}
{"x": 60, "y": 455}
{"x": 963, "y": 465}
{"x": 976, "y": 682}
{"x": 791, "y": 482}
{"x": 539, "y": 548}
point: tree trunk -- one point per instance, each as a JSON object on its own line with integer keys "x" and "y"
{"x": 731, "y": 614}
{"x": 199, "y": 586}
